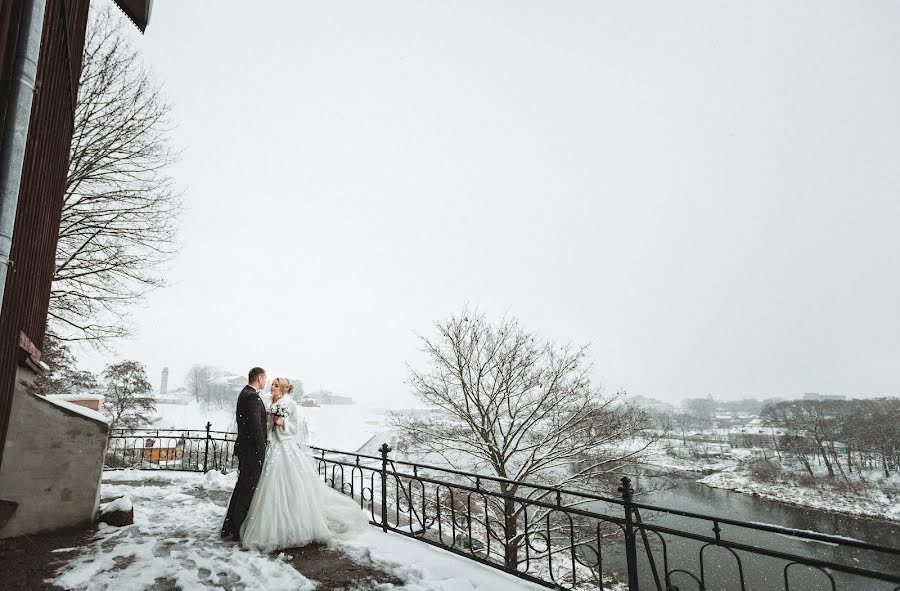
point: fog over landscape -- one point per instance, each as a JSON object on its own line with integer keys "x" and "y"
{"x": 705, "y": 193}
{"x": 449, "y": 296}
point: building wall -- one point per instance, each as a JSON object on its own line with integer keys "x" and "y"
{"x": 91, "y": 404}
{"x": 36, "y": 230}
{"x": 52, "y": 466}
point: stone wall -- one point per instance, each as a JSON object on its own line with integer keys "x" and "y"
{"x": 52, "y": 463}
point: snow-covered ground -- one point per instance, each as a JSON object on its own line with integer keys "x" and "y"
{"x": 174, "y": 542}
{"x": 426, "y": 568}
{"x": 877, "y": 497}
{"x": 673, "y": 455}
{"x": 880, "y": 500}
{"x": 191, "y": 416}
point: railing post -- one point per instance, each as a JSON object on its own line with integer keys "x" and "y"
{"x": 630, "y": 542}
{"x": 206, "y": 449}
{"x": 385, "y": 449}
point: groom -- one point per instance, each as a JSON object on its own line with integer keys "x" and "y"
{"x": 250, "y": 449}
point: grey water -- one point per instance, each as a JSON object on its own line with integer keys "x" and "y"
{"x": 721, "y": 570}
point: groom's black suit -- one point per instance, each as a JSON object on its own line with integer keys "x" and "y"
{"x": 250, "y": 449}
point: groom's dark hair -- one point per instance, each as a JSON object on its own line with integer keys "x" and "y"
{"x": 255, "y": 373}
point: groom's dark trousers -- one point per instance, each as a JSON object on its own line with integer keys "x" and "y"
{"x": 250, "y": 449}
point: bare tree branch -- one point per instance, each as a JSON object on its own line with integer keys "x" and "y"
{"x": 523, "y": 408}
{"x": 119, "y": 219}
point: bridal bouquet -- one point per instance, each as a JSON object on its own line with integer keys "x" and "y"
{"x": 280, "y": 411}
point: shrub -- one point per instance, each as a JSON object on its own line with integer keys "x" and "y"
{"x": 806, "y": 480}
{"x": 764, "y": 470}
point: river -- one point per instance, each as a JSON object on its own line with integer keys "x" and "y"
{"x": 761, "y": 573}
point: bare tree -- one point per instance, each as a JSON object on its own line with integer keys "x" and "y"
{"x": 869, "y": 428}
{"x": 119, "y": 215}
{"x": 197, "y": 382}
{"x": 127, "y": 395}
{"x": 523, "y": 409}
{"x": 812, "y": 425}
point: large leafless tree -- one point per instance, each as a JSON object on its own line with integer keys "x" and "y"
{"x": 119, "y": 216}
{"x": 522, "y": 408}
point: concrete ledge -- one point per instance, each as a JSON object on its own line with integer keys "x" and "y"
{"x": 52, "y": 463}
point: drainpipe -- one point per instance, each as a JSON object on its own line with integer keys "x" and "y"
{"x": 15, "y": 132}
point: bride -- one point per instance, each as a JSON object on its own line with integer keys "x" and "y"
{"x": 292, "y": 505}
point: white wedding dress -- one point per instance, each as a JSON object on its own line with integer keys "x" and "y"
{"x": 292, "y": 505}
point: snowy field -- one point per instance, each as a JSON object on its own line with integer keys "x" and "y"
{"x": 666, "y": 453}
{"x": 174, "y": 542}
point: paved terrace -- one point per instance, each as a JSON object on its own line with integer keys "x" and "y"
{"x": 174, "y": 544}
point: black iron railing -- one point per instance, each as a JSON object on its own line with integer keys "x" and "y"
{"x": 557, "y": 538}
{"x": 191, "y": 450}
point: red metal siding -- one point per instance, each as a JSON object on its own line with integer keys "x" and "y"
{"x": 41, "y": 192}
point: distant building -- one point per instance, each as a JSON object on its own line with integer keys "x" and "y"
{"x": 164, "y": 384}
{"x": 179, "y": 395}
{"x": 725, "y": 421}
{"x": 231, "y": 382}
{"x": 652, "y": 404}
{"x": 87, "y": 400}
{"x": 327, "y": 397}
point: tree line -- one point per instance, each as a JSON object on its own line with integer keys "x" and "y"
{"x": 845, "y": 435}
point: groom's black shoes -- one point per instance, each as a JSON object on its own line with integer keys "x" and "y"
{"x": 235, "y": 538}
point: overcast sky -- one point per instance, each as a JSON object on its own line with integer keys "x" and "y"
{"x": 706, "y": 192}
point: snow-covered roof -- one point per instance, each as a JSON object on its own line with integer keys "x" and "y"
{"x": 71, "y": 397}
{"x": 85, "y": 412}
{"x": 228, "y": 380}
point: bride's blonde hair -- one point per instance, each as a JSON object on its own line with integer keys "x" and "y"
{"x": 286, "y": 388}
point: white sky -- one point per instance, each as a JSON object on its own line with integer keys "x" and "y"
{"x": 707, "y": 192}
